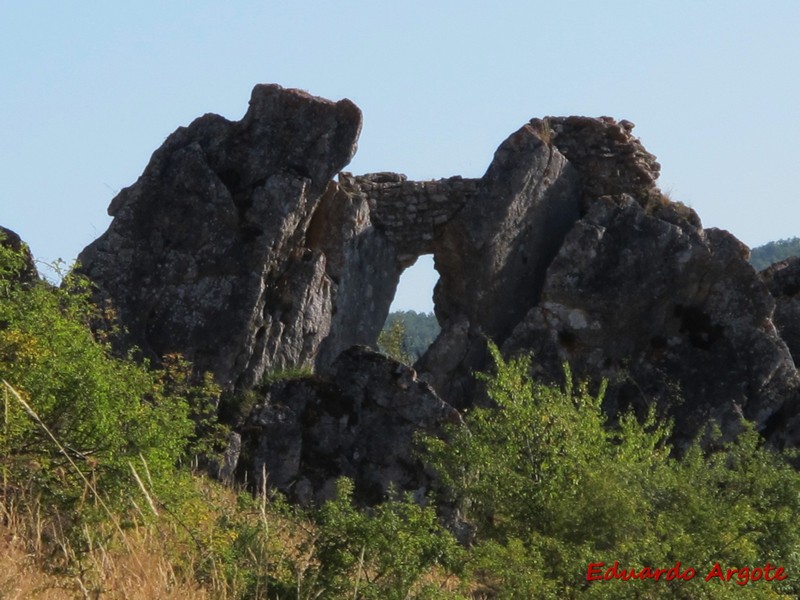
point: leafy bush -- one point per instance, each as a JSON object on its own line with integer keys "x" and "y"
{"x": 383, "y": 552}
{"x": 546, "y": 483}
{"x": 75, "y": 416}
{"x": 92, "y": 444}
{"x": 550, "y": 487}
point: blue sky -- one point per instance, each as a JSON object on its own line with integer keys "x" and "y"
{"x": 90, "y": 89}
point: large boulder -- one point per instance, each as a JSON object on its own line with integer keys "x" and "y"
{"x": 494, "y": 255}
{"x": 669, "y": 313}
{"x": 206, "y": 254}
{"x": 358, "y": 421}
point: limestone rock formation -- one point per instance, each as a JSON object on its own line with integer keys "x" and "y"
{"x": 783, "y": 281}
{"x": 493, "y": 257}
{"x": 670, "y": 313}
{"x": 358, "y": 421}
{"x": 206, "y": 253}
{"x": 237, "y": 249}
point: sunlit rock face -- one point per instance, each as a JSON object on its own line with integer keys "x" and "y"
{"x": 207, "y": 253}
{"x": 244, "y": 247}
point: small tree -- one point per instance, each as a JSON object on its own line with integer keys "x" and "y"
{"x": 383, "y": 553}
{"x": 392, "y": 342}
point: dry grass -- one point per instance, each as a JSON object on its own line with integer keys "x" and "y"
{"x": 38, "y": 561}
{"x": 207, "y": 541}
{"x": 162, "y": 557}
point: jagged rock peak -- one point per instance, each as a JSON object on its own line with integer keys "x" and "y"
{"x": 206, "y": 254}
{"x": 610, "y": 159}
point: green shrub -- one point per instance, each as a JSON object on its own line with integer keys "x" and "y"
{"x": 550, "y": 487}
{"x": 92, "y": 417}
{"x": 547, "y": 484}
{"x": 383, "y": 552}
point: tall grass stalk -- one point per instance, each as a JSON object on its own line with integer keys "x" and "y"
{"x": 33, "y": 415}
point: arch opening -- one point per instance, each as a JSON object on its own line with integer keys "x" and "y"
{"x": 411, "y": 326}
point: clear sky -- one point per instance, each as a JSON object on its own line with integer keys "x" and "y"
{"x": 89, "y": 89}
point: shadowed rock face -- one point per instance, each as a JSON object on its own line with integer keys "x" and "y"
{"x": 358, "y": 421}
{"x": 236, "y": 249}
{"x": 672, "y": 315}
{"x": 783, "y": 281}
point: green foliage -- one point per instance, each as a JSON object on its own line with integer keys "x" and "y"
{"x": 106, "y": 413}
{"x": 546, "y": 483}
{"x": 287, "y": 374}
{"x": 99, "y": 438}
{"x": 235, "y": 407}
{"x": 242, "y": 547}
{"x": 408, "y": 333}
{"x": 550, "y": 487}
{"x": 772, "y": 252}
{"x": 392, "y": 342}
{"x": 381, "y": 553}
{"x": 208, "y": 436}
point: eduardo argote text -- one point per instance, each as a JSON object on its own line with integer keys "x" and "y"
{"x": 598, "y": 571}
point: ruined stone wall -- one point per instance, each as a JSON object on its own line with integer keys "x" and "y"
{"x": 611, "y": 160}
{"x": 370, "y": 229}
{"x": 410, "y": 212}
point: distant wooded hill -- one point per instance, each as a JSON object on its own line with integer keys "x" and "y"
{"x": 418, "y": 332}
{"x": 772, "y": 252}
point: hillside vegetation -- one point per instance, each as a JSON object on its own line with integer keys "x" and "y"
{"x": 99, "y": 496}
{"x": 763, "y": 256}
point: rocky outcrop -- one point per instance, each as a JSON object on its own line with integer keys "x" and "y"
{"x": 206, "y": 253}
{"x": 237, "y": 249}
{"x": 9, "y": 239}
{"x": 494, "y": 256}
{"x": 359, "y": 421}
{"x": 783, "y": 281}
{"x": 669, "y": 313}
